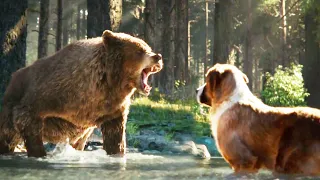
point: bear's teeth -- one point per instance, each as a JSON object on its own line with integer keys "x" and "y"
{"x": 147, "y": 88}
{"x": 145, "y": 78}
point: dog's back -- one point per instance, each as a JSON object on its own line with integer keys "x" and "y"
{"x": 299, "y": 150}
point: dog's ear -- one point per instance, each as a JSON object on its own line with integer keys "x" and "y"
{"x": 245, "y": 78}
{"x": 215, "y": 77}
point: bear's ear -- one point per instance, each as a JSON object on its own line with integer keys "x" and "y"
{"x": 108, "y": 36}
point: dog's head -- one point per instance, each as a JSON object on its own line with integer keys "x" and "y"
{"x": 222, "y": 80}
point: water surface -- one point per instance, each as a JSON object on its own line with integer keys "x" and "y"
{"x": 67, "y": 163}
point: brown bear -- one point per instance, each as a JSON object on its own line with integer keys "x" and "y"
{"x": 85, "y": 85}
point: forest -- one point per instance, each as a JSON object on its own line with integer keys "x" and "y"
{"x": 276, "y": 43}
{"x": 192, "y": 35}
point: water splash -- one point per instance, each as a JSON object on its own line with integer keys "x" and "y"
{"x": 65, "y": 153}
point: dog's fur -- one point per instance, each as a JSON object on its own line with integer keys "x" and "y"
{"x": 251, "y": 135}
{"x": 87, "y": 84}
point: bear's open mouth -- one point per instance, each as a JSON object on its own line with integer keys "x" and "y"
{"x": 145, "y": 75}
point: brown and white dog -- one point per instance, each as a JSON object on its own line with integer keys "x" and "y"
{"x": 251, "y": 135}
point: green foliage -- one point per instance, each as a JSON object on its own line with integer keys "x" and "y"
{"x": 285, "y": 87}
{"x": 268, "y": 6}
{"x": 136, "y": 143}
{"x": 308, "y": 5}
{"x": 181, "y": 93}
{"x": 178, "y": 84}
{"x": 169, "y": 136}
{"x": 156, "y": 95}
{"x": 170, "y": 117}
{"x": 131, "y": 128}
{"x": 312, "y": 8}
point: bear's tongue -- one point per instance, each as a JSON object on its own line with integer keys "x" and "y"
{"x": 146, "y": 87}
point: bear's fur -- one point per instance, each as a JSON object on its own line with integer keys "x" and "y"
{"x": 87, "y": 84}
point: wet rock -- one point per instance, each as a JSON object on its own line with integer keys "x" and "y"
{"x": 162, "y": 133}
{"x": 209, "y": 143}
{"x": 93, "y": 145}
{"x": 153, "y": 146}
{"x": 151, "y": 139}
{"x": 202, "y": 151}
{"x": 148, "y": 142}
{"x": 132, "y": 150}
{"x": 183, "y": 137}
{"x": 147, "y": 132}
{"x": 49, "y": 147}
{"x": 166, "y": 151}
{"x": 92, "y": 148}
{"x": 186, "y": 147}
{"x": 151, "y": 152}
{"x": 189, "y": 146}
{"x": 97, "y": 132}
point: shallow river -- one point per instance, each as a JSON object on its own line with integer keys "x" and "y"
{"x": 67, "y": 163}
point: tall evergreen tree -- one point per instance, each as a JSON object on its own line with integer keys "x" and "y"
{"x": 168, "y": 46}
{"x": 43, "y": 29}
{"x": 181, "y": 61}
{"x": 102, "y": 15}
{"x": 223, "y": 28}
{"x": 248, "y": 62}
{"x": 312, "y": 56}
{"x": 13, "y": 34}
{"x": 59, "y": 25}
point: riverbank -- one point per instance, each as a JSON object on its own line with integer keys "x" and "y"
{"x": 168, "y": 127}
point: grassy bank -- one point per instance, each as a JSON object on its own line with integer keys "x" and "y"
{"x": 170, "y": 117}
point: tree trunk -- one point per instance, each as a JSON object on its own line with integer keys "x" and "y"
{"x": 43, "y": 29}
{"x": 65, "y": 22}
{"x": 94, "y": 19}
{"x": 312, "y": 57}
{"x": 159, "y": 38}
{"x": 197, "y": 59}
{"x": 188, "y": 63}
{"x": 59, "y": 25}
{"x": 71, "y": 31}
{"x": 222, "y": 31}
{"x": 206, "y": 42}
{"x": 169, "y": 20}
{"x": 78, "y": 22}
{"x": 13, "y": 34}
{"x": 186, "y": 43}
{"x": 247, "y": 66}
{"x": 212, "y": 14}
{"x": 181, "y": 60}
{"x": 114, "y": 14}
{"x": 84, "y": 21}
{"x": 257, "y": 81}
{"x": 150, "y": 22}
{"x": 102, "y": 15}
{"x": 150, "y": 27}
{"x": 283, "y": 33}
